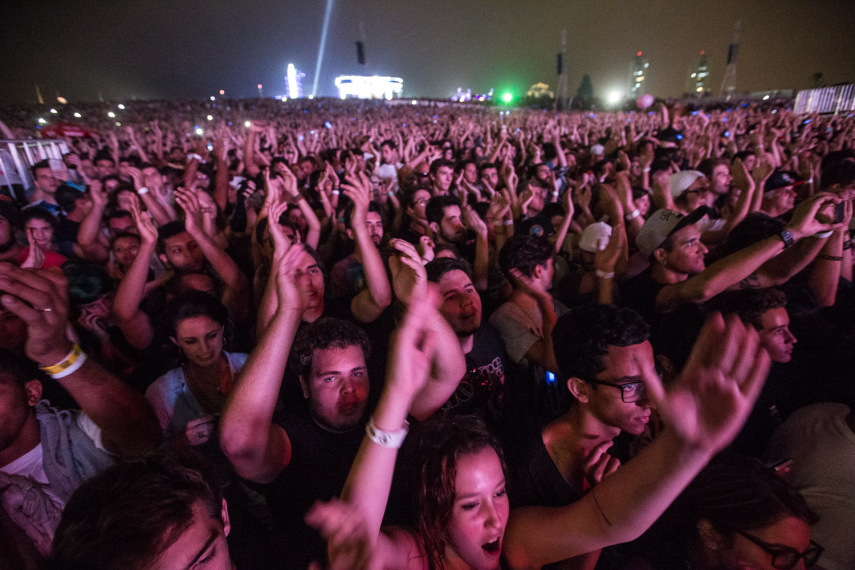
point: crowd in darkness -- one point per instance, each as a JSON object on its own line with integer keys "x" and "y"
{"x": 356, "y": 335}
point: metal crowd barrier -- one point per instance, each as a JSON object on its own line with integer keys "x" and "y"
{"x": 16, "y": 160}
{"x": 837, "y": 99}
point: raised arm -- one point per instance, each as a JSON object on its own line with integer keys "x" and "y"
{"x": 39, "y": 298}
{"x": 132, "y": 321}
{"x": 703, "y": 413}
{"x": 257, "y": 448}
{"x": 731, "y": 271}
{"x": 236, "y": 295}
{"x": 373, "y": 300}
{"x": 449, "y": 367}
{"x": 88, "y": 236}
{"x": 370, "y": 478}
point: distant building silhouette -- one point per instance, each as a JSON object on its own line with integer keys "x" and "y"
{"x": 700, "y": 77}
{"x": 639, "y": 75}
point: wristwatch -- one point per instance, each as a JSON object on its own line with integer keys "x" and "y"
{"x": 787, "y": 238}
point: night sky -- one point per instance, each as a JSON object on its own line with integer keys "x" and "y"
{"x": 159, "y": 49}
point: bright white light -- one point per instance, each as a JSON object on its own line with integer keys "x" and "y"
{"x": 200, "y": 131}
{"x": 42, "y": 121}
{"x": 121, "y": 106}
{"x": 210, "y": 118}
{"x": 248, "y": 124}
{"x": 766, "y": 98}
{"x": 77, "y": 115}
{"x": 213, "y": 98}
{"x": 118, "y": 124}
{"x": 369, "y": 87}
{"x": 415, "y": 102}
{"x": 62, "y": 100}
{"x": 111, "y": 114}
{"x": 311, "y": 96}
{"x": 293, "y": 89}
{"x": 53, "y": 111}
{"x": 614, "y": 97}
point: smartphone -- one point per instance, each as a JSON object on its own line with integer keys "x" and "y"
{"x": 236, "y": 181}
{"x": 210, "y": 147}
{"x": 550, "y": 377}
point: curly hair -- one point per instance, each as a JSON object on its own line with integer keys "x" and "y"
{"x": 583, "y": 336}
{"x": 524, "y": 252}
{"x": 325, "y": 333}
{"x": 440, "y": 444}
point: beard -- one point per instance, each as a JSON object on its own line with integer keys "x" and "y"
{"x": 9, "y": 244}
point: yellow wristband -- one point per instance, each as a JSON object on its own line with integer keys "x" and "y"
{"x": 66, "y": 362}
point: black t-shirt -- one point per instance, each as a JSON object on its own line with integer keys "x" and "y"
{"x": 320, "y": 463}
{"x": 534, "y": 478}
{"x": 481, "y": 391}
{"x": 673, "y": 333}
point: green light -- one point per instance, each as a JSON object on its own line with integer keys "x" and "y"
{"x": 508, "y": 97}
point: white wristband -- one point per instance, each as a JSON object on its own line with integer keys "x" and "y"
{"x": 75, "y": 366}
{"x": 633, "y": 215}
{"x": 823, "y": 234}
{"x": 193, "y": 155}
{"x": 388, "y": 439}
{"x": 605, "y": 274}
{"x": 142, "y": 191}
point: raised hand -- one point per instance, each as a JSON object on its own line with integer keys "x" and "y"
{"x": 145, "y": 227}
{"x": 473, "y": 221}
{"x": 409, "y": 278}
{"x": 40, "y": 299}
{"x": 189, "y": 202}
{"x": 718, "y": 387}
{"x": 35, "y": 257}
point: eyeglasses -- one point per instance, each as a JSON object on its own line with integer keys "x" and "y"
{"x": 784, "y": 557}
{"x": 630, "y": 392}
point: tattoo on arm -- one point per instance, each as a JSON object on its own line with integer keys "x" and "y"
{"x": 750, "y": 282}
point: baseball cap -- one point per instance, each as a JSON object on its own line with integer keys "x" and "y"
{"x": 595, "y": 237}
{"x": 781, "y": 179}
{"x": 662, "y": 224}
{"x": 680, "y": 182}
{"x": 9, "y": 210}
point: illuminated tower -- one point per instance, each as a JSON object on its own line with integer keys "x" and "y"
{"x": 728, "y": 86}
{"x": 700, "y": 78}
{"x": 639, "y": 75}
{"x": 294, "y": 82}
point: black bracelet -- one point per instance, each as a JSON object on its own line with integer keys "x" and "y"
{"x": 829, "y": 257}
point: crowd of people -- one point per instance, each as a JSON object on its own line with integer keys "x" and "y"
{"x": 266, "y": 334}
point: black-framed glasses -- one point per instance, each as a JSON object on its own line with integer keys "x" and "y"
{"x": 630, "y": 392}
{"x": 784, "y": 557}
